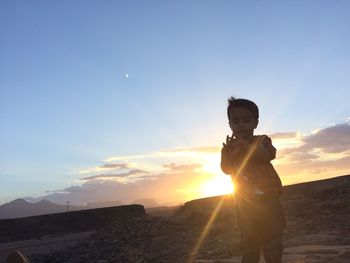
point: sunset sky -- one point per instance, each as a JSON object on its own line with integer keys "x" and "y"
{"x": 122, "y": 100}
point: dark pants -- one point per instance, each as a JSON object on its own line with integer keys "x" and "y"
{"x": 261, "y": 222}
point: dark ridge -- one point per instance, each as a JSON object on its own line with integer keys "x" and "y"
{"x": 317, "y": 214}
{"x": 76, "y": 221}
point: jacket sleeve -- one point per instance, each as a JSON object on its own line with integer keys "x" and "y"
{"x": 264, "y": 150}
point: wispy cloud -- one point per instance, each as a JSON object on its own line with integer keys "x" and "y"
{"x": 283, "y": 135}
{"x": 177, "y": 174}
{"x": 123, "y": 158}
{"x": 167, "y": 153}
{"x": 104, "y": 167}
{"x": 177, "y": 183}
{"x": 183, "y": 168}
{"x": 334, "y": 139}
{"x": 331, "y": 140}
{"x": 322, "y": 153}
{"x": 119, "y": 175}
{"x": 207, "y": 149}
{"x": 114, "y": 165}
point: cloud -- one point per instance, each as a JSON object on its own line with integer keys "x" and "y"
{"x": 100, "y": 176}
{"x": 183, "y": 168}
{"x": 177, "y": 174}
{"x": 295, "y": 156}
{"x": 151, "y": 176}
{"x": 124, "y": 158}
{"x": 114, "y": 165}
{"x": 331, "y": 140}
{"x": 334, "y": 139}
{"x": 283, "y": 135}
{"x": 173, "y": 153}
{"x": 207, "y": 149}
{"x": 322, "y": 153}
{"x": 104, "y": 167}
{"x": 71, "y": 189}
{"x": 174, "y": 185}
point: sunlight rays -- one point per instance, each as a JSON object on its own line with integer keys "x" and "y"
{"x": 245, "y": 160}
{"x": 205, "y": 232}
{"x": 213, "y": 216}
{"x": 219, "y": 185}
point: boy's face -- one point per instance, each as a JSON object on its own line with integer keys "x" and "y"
{"x": 242, "y": 123}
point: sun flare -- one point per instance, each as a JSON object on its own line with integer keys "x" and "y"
{"x": 219, "y": 185}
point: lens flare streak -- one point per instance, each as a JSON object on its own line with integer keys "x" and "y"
{"x": 205, "y": 232}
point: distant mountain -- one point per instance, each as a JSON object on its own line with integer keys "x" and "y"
{"x": 22, "y": 208}
{"x": 147, "y": 203}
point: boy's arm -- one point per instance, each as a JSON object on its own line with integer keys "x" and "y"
{"x": 264, "y": 150}
{"x": 227, "y": 151}
{"x": 226, "y": 163}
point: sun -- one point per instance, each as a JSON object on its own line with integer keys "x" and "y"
{"x": 218, "y": 185}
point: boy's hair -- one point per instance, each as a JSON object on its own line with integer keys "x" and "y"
{"x": 242, "y": 103}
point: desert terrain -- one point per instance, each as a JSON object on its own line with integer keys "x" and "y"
{"x": 204, "y": 230}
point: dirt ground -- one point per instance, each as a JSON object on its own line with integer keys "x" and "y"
{"x": 317, "y": 232}
{"x": 44, "y": 245}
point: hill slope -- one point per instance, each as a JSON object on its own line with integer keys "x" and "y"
{"x": 317, "y": 231}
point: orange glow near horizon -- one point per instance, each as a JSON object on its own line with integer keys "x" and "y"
{"x": 183, "y": 174}
{"x": 219, "y": 185}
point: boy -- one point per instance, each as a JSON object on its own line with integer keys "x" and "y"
{"x": 246, "y": 157}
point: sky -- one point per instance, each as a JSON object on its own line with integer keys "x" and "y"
{"x": 122, "y": 100}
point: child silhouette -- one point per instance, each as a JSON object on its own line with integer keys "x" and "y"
{"x": 247, "y": 158}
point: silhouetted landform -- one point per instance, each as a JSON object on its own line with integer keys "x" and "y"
{"x": 317, "y": 231}
{"x": 162, "y": 211}
{"x": 21, "y": 208}
{"x": 76, "y": 221}
{"x": 147, "y": 202}
{"x": 93, "y": 205}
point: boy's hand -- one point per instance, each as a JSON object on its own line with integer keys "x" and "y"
{"x": 226, "y": 147}
{"x": 232, "y": 152}
{"x": 228, "y": 142}
{"x": 226, "y": 160}
{"x": 233, "y": 147}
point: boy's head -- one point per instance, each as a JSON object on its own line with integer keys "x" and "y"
{"x": 243, "y": 116}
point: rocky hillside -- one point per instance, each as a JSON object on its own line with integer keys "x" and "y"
{"x": 56, "y": 224}
{"x": 318, "y": 214}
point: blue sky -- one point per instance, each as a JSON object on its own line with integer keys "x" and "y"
{"x": 83, "y": 81}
